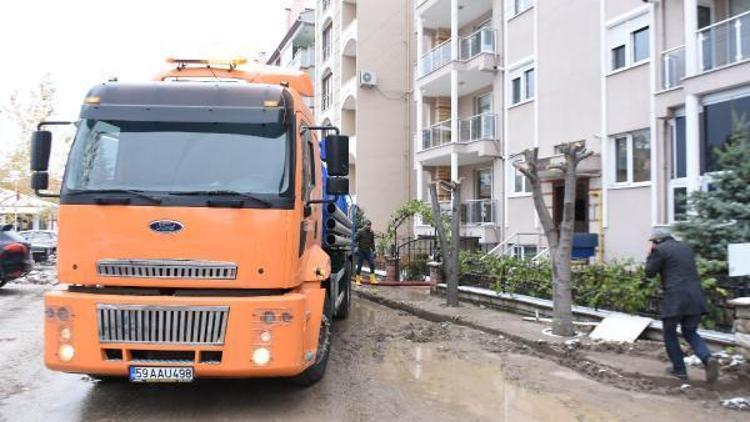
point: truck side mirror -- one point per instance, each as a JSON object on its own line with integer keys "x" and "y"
{"x": 41, "y": 145}
{"x": 337, "y": 186}
{"x": 39, "y": 180}
{"x": 337, "y": 155}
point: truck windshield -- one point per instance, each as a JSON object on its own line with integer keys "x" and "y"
{"x": 180, "y": 157}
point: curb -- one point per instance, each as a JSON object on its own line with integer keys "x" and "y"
{"x": 398, "y": 283}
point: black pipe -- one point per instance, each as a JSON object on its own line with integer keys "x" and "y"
{"x": 334, "y": 226}
{"x": 339, "y": 215}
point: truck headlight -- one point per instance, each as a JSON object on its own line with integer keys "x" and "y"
{"x": 65, "y": 334}
{"x": 66, "y": 352}
{"x": 265, "y": 336}
{"x": 261, "y": 356}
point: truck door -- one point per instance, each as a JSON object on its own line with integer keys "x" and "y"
{"x": 311, "y": 220}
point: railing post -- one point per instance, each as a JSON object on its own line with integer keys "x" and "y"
{"x": 738, "y": 37}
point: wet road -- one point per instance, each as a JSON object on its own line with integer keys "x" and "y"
{"x": 385, "y": 366}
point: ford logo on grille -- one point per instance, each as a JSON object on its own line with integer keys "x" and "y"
{"x": 166, "y": 226}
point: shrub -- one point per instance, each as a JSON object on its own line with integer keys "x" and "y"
{"x": 619, "y": 286}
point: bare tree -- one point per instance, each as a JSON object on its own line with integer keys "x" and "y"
{"x": 25, "y": 114}
{"x": 560, "y": 243}
{"x": 449, "y": 251}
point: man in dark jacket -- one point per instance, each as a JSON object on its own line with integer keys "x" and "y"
{"x": 365, "y": 240}
{"x": 683, "y": 303}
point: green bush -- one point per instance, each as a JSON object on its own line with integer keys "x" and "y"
{"x": 619, "y": 286}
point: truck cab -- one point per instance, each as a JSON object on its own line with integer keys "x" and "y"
{"x": 191, "y": 229}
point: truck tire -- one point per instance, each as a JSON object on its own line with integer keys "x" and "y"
{"x": 315, "y": 373}
{"x": 346, "y": 304}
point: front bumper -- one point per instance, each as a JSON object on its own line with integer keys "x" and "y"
{"x": 72, "y": 319}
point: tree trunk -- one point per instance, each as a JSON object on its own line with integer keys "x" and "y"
{"x": 560, "y": 243}
{"x": 450, "y": 259}
{"x": 452, "y": 287}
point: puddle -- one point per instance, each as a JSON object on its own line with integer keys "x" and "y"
{"x": 479, "y": 389}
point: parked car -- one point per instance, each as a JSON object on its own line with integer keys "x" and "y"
{"x": 43, "y": 243}
{"x": 15, "y": 255}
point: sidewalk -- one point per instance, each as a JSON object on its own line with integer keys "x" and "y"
{"x": 639, "y": 365}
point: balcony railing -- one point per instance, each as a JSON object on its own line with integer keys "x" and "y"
{"x": 304, "y": 58}
{"x": 673, "y": 62}
{"x": 436, "y": 58}
{"x": 475, "y": 128}
{"x": 474, "y": 211}
{"x": 478, "y": 211}
{"x": 724, "y": 42}
{"x": 437, "y": 134}
{"x": 481, "y": 41}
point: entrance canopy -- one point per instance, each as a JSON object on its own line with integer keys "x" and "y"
{"x": 12, "y": 203}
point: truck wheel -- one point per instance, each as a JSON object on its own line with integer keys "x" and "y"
{"x": 315, "y": 373}
{"x": 346, "y": 304}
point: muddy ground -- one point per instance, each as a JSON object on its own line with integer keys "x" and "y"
{"x": 385, "y": 365}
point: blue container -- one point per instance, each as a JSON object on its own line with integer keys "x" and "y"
{"x": 584, "y": 245}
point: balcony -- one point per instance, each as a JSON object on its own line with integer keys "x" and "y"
{"x": 477, "y": 128}
{"x": 304, "y": 58}
{"x": 437, "y": 135}
{"x": 477, "y": 142}
{"x": 673, "y": 62}
{"x": 724, "y": 43}
{"x": 481, "y": 41}
{"x": 478, "y": 220}
{"x": 473, "y": 212}
{"x": 478, "y": 212}
{"x": 436, "y": 58}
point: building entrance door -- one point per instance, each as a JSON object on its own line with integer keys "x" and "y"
{"x": 581, "y": 206}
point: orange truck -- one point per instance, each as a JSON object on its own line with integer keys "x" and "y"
{"x": 203, "y": 229}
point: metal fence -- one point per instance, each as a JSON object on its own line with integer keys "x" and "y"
{"x": 475, "y": 128}
{"x": 436, "y": 58}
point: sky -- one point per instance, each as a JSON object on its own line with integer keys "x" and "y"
{"x": 83, "y": 42}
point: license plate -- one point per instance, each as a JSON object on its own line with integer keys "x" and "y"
{"x": 161, "y": 374}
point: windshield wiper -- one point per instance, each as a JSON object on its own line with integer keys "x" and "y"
{"x": 137, "y": 193}
{"x": 242, "y": 195}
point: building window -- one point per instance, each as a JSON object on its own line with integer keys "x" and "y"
{"x": 523, "y": 84}
{"x": 632, "y": 157}
{"x": 483, "y": 183}
{"x": 529, "y": 79}
{"x": 326, "y": 4}
{"x": 679, "y": 148}
{"x": 719, "y": 120}
{"x": 515, "y": 7}
{"x": 327, "y": 40}
{"x": 640, "y": 45}
{"x": 483, "y": 104}
{"x": 678, "y": 209}
{"x": 628, "y": 42}
{"x": 327, "y": 96}
{"x": 520, "y": 184}
{"x": 618, "y": 57}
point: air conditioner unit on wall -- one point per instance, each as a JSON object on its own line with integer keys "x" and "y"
{"x": 367, "y": 78}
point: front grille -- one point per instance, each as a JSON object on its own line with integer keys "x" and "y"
{"x": 174, "y": 269}
{"x": 196, "y": 325}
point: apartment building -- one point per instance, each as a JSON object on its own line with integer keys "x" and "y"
{"x": 297, "y": 48}
{"x": 363, "y": 86}
{"x": 649, "y": 86}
